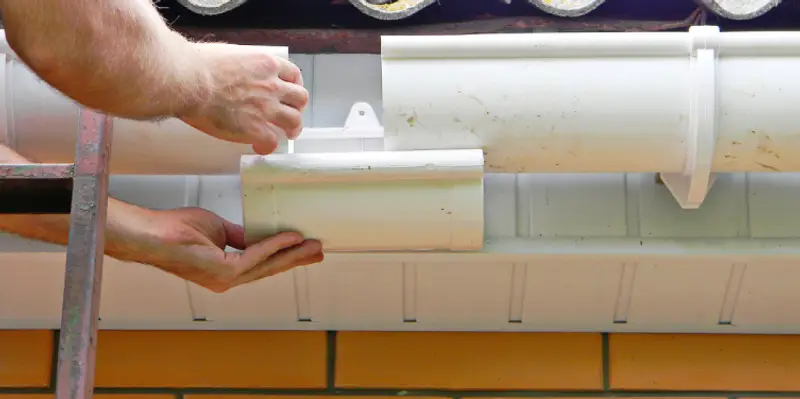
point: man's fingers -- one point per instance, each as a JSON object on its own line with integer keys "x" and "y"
{"x": 319, "y": 257}
{"x": 234, "y": 233}
{"x": 299, "y": 76}
{"x": 305, "y": 254}
{"x": 288, "y": 119}
{"x": 294, "y": 95}
{"x": 263, "y": 250}
{"x": 292, "y": 256}
{"x": 289, "y": 72}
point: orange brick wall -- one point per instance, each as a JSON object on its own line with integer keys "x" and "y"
{"x": 379, "y": 365}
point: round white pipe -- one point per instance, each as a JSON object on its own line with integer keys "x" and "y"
{"x": 41, "y": 123}
{"x": 367, "y": 201}
{"x": 599, "y": 102}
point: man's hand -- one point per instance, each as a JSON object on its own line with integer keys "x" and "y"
{"x": 139, "y": 68}
{"x": 190, "y": 243}
{"x": 187, "y": 242}
{"x": 256, "y": 98}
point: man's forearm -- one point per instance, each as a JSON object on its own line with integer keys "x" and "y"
{"x": 124, "y": 231}
{"x": 128, "y": 227}
{"x": 118, "y": 56}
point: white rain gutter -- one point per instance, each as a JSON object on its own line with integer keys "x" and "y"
{"x": 686, "y": 105}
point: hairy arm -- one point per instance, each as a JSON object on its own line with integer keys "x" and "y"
{"x": 128, "y": 230}
{"x": 188, "y": 242}
{"x": 117, "y": 56}
{"x": 126, "y": 234}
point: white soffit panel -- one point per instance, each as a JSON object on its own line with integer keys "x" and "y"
{"x": 159, "y": 297}
{"x": 31, "y": 289}
{"x": 689, "y": 294}
{"x": 476, "y": 296}
{"x": 568, "y": 296}
{"x": 268, "y": 303}
{"x": 764, "y": 299}
{"x": 341, "y": 294}
{"x": 674, "y": 294}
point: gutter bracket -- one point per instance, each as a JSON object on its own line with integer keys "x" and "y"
{"x": 361, "y": 123}
{"x": 691, "y": 186}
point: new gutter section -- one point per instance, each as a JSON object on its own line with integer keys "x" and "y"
{"x": 368, "y": 201}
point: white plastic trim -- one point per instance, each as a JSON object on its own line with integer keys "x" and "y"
{"x": 600, "y": 102}
{"x": 368, "y": 201}
{"x": 361, "y": 123}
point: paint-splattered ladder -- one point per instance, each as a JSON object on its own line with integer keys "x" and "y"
{"x": 81, "y": 190}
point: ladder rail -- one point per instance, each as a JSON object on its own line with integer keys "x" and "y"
{"x": 85, "y": 251}
{"x": 23, "y": 184}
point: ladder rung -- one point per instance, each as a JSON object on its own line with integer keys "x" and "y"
{"x": 37, "y": 171}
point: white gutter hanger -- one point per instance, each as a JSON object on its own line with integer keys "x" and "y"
{"x": 684, "y": 104}
{"x": 368, "y": 201}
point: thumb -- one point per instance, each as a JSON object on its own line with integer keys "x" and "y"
{"x": 234, "y": 234}
{"x": 261, "y": 251}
